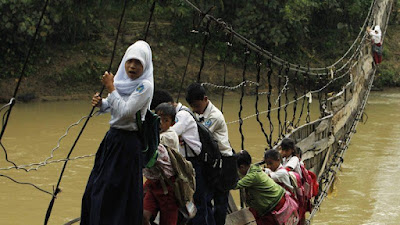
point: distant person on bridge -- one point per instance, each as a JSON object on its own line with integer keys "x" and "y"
{"x": 377, "y": 49}
{"x": 114, "y": 192}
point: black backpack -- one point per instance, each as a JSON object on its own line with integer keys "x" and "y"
{"x": 210, "y": 154}
{"x": 149, "y": 131}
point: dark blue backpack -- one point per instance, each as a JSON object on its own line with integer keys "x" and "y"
{"x": 149, "y": 131}
{"x": 210, "y": 155}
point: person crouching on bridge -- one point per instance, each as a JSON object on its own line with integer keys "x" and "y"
{"x": 377, "y": 49}
{"x": 114, "y": 192}
{"x": 267, "y": 200}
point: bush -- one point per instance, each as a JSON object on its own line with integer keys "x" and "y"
{"x": 64, "y": 21}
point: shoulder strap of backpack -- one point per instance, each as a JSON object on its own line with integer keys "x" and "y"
{"x": 185, "y": 145}
{"x": 190, "y": 112}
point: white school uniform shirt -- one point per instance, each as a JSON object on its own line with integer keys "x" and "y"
{"x": 186, "y": 127}
{"x": 376, "y": 34}
{"x": 214, "y": 120}
{"x": 292, "y": 162}
{"x": 123, "y": 108}
{"x": 281, "y": 175}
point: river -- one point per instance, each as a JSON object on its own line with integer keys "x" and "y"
{"x": 366, "y": 186}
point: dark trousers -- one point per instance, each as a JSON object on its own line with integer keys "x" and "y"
{"x": 200, "y": 196}
{"x": 220, "y": 206}
{"x": 227, "y": 180}
{"x": 114, "y": 192}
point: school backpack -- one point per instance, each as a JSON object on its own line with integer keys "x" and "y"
{"x": 149, "y": 131}
{"x": 310, "y": 184}
{"x": 311, "y": 181}
{"x": 185, "y": 182}
{"x": 210, "y": 154}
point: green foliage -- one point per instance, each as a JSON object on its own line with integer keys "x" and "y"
{"x": 64, "y": 22}
{"x": 387, "y": 76}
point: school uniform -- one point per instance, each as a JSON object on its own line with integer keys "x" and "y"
{"x": 292, "y": 162}
{"x": 376, "y": 36}
{"x": 214, "y": 120}
{"x": 263, "y": 195}
{"x": 281, "y": 177}
{"x": 186, "y": 127}
{"x": 114, "y": 192}
{"x": 159, "y": 195}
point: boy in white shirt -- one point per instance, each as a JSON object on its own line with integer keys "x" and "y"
{"x": 214, "y": 120}
{"x": 276, "y": 171}
{"x": 190, "y": 146}
{"x": 159, "y": 195}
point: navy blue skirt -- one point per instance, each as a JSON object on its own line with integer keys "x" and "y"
{"x": 114, "y": 192}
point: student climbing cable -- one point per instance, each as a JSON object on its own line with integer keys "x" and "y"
{"x": 114, "y": 192}
{"x": 377, "y": 49}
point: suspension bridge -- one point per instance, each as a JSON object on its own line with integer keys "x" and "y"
{"x": 324, "y": 141}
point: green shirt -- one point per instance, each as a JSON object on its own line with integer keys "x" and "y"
{"x": 262, "y": 193}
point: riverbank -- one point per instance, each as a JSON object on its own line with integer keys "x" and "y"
{"x": 72, "y": 72}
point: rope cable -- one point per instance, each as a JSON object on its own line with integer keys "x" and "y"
{"x": 268, "y": 54}
{"x": 57, "y": 190}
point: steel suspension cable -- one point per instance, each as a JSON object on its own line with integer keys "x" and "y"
{"x": 153, "y": 6}
{"x": 246, "y": 55}
{"x": 229, "y": 44}
{"x": 271, "y": 125}
{"x": 268, "y": 54}
{"x": 285, "y": 125}
{"x": 279, "y": 103}
{"x": 194, "y": 31}
{"x": 32, "y": 45}
{"x": 310, "y": 98}
{"x": 203, "y": 51}
{"x": 304, "y": 101}
{"x": 294, "y": 84}
{"x": 57, "y": 190}
{"x": 258, "y": 65}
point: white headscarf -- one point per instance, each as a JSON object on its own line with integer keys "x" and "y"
{"x": 141, "y": 51}
{"x": 376, "y": 34}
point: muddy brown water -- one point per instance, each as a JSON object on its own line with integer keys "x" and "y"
{"x": 365, "y": 194}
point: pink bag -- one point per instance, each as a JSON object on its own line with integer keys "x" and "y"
{"x": 288, "y": 214}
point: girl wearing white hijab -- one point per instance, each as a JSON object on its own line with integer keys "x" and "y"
{"x": 114, "y": 192}
{"x": 376, "y": 36}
